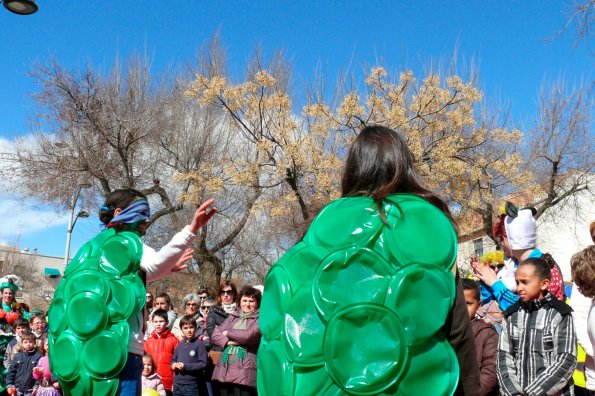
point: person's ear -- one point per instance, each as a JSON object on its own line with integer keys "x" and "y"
{"x": 117, "y": 211}
{"x": 545, "y": 283}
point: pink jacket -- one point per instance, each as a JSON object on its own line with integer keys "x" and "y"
{"x": 153, "y": 381}
{"x": 44, "y": 363}
{"x": 238, "y": 372}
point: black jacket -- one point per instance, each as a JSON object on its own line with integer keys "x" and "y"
{"x": 20, "y": 373}
{"x": 215, "y": 317}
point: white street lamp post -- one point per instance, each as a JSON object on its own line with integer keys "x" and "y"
{"x": 72, "y": 220}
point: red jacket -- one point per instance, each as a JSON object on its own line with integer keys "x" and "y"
{"x": 161, "y": 347}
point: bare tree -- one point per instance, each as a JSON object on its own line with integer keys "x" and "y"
{"x": 561, "y": 141}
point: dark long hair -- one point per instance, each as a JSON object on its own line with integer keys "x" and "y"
{"x": 118, "y": 199}
{"x": 379, "y": 163}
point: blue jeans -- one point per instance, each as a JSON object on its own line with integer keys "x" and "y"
{"x": 186, "y": 389}
{"x": 130, "y": 377}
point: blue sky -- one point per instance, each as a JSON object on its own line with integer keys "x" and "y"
{"x": 506, "y": 38}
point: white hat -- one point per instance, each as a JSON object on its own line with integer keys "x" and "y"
{"x": 521, "y": 230}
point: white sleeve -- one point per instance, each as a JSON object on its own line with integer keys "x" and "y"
{"x": 581, "y": 305}
{"x": 160, "y": 263}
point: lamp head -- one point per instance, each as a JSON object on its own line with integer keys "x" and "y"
{"x": 21, "y": 7}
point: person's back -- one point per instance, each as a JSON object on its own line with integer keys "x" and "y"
{"x": 537, "y": 350}
{"x": 161, "y": 345}
{"x": 486, "y": 339}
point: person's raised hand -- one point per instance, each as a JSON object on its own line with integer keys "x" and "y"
{"x": 182, "y": 263}
{"x": 203, "y": 214}
{"x": 485, "y": 274}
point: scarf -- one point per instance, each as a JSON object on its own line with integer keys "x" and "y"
{"x": 229, "y": 308}
{"x": 235, "y": 353}
{"x": 138, "y": 212}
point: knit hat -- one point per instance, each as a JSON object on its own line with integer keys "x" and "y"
{"x": 521, "y": 230}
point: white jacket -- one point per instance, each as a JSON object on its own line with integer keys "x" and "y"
{"x": 584, "y": 323}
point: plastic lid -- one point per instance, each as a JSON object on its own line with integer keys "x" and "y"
{"x": 277, "y": 298}
{"x": 86, "y": 281}
{"x": 303, "y": 329}
{"x": 120, "y": 254}
{"x": 65, "y": 356}
{"x": 277, "y": 378}
{"x": 99, "y": 363}
{"x": 422, "y": 314}
{"x": 365, "y": 348}
{"x": 105, "y": 387}
{"x": 87, "y": 314}
{"x": 433, "y": 370}
{"x": 57, "y": 319}
{"x": 122, "y": 300}
{"x": 419, "y": 232}
{"x": 350, "y": 276}
{"x": 345, "y": 222}
{"x": 301, "y": 262}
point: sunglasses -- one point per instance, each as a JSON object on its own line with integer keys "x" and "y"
{"x": 205, "y": 307}
{"x": 497, "y": 267}
{"x": 191, "y": 304}
{"x": 227, "y": 292}
{"x": 202, "y": 297}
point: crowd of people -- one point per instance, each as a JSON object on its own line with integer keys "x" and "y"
{"x": 210, "y": 349}
{"x": 516, "y": 336}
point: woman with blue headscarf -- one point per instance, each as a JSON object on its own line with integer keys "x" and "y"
{"x": 97, "y": 310}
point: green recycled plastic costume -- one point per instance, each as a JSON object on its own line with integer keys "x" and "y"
{"x": 358, "y": 307}
{"x": 88, "y": 318}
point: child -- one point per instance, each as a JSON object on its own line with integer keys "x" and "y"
{"x": 39, "y": 327}
{"x": 150, "y": 379}
{"x": 161, "y": 345}
{"x": 20, "y": 373}
{"x": 583, "y": 274}
{"x": 486, "y": 340}
{"x": 21, "y": 326}
{"x": 537, "y": 350}
{"x": 189, "y": 361}
{"x": 47, "y": 384}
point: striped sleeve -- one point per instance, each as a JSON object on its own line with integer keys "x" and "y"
{"x": 555, "y": 377}
{"x": 506, "y": 371}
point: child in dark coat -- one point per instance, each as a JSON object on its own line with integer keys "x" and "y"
{"x": 486, "y": 340}
{"x": 20, "y": 373}
{"x": 189, "y": 361}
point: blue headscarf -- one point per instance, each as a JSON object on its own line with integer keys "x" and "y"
{"x": 138, "y": 212}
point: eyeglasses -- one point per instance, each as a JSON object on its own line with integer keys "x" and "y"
{"x": 188, "y": 304}
{"x": 202, "y": 297}
{"x": 205, "y": 307}
{"x": 227, "y": 292}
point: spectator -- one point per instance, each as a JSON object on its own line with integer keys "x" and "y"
{"x": 189, "y": 361}
{"x": 537, "y": 350}
{"x": 191, "y": 305}
{"x": 226, "y": 304}
{"x": 20, "y": 373}
{"x": 21, "y": 326}
{"x": 163, "y": 301}
{"x": 486, "y": 340}
{"x": 46, "y": 384}
{"x": 203, "y": 293}
{"x": 150, "y": 379}
{"x": 583, "y": 273}
{"x": 239, "y": 336}
{"x": 161, "y": 346}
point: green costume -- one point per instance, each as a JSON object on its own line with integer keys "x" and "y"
{"x": 89, "y": 317}
{"x": 358, "y": 307}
